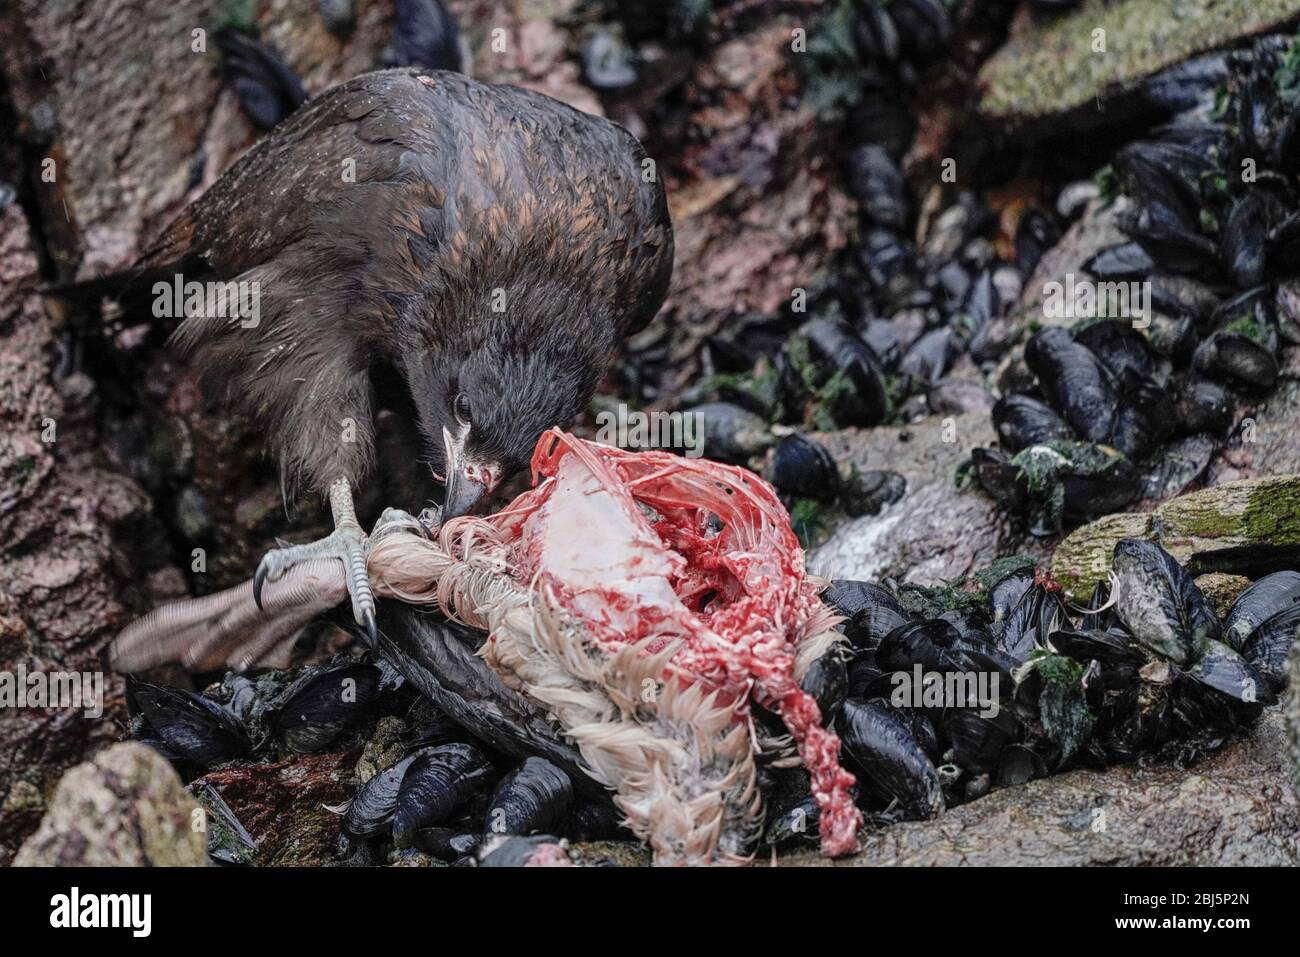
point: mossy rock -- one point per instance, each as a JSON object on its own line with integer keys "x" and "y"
{"x": 1049, "y": 68}
{"x": 1248, "y": 528}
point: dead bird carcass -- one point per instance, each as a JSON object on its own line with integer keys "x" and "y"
{"x": 639, "y": 608}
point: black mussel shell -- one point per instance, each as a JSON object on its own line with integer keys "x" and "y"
{"x": 1273, "y": 595}
{"x": 1203, "y": 406}
{"x": 445, "y": 843}
{"x": 424, "y": 35}
{"x": 318, "y": 706}
{"x": 1036, "y": 233}
{"x": 1104, "y": 645}
{"x": 848, "y": 374}
{"x": 877, "y": 184}
{"x": 1286, "y": 306}
{"x": 866, "y": 679}
{"x": 866, "y": 493}
{"x": 978, "y": 740}
{"x": 1124, "y": 261}
{"x": 1164, "y": 177}
{"x": 1029, "y": 622}
{"x": 1183, "y": 296}
{"x": 1243, "y": 361}
{"x": 803, "y": 468}
{"x": 1006, "y": 592}
{"x": 849, "y": 597}
{"x": 438, "y": 781}
{"x": 798, "y": 824}
{"x": 923, "y": 27}
{"x": 1244, "y": 240}
{"x": 1185, "y": 85}
{"x": 827, "y": 680}
{"x": 929, "y": 358}
{"x": 1159, "y": 604}
{"x": 1229, "y": 673}
{"x": 882, "y": 336}
{"x": 889, "y": 761}
{"x": 1244, "y": 350}
{"x": 267, "y": 89}
{"x": 194, "y": 728}
{"x": 1076, "y": 382}
{"x": 1266, "y": 647}
{"x": 1099, "y": 612}
{"x": 981, "y": 304}
{"x": 1173, "y": 337}
{"x": 731, "y": 434}
{"x": 1119, "y": 346}
{"x": 1097, "y": 480}
{"x": 371, "y": 809}
{"x": 339, "y": 16}
{"x": 888, "y": 263}
{"x": 1176, "y": 243}
{"x": 1022, "y": 421}
{"x": 1284, "y": 245}
{"x": 884, "y": 119}
{"x": 1145, "y": 417}
{"x": 595, "y": 820}
{"x": 1019, "y": 764}
{"x": 999, "y": 478}
{"x": 1179, "y": 464}
{"x": 533, "y": 797}
{"x": 876, "y": 34}
{"x": 919, "y": 642}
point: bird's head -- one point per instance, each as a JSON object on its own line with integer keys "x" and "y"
{"x": 482, "y": 409}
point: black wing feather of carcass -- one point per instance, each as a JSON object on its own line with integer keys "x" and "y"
{"x": 425, "y": 649}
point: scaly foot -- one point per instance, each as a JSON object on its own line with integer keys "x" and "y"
{"x": 347, "y": 543}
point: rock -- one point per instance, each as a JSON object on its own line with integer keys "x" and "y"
{"x": 751, "y": 159}
{"x": 285, "y": 805}
{"x": 1048, "y": 74}
{"x": 1291, "y": 711}
{"x": 1248, "y": 527}
{"x": 1222, "y": 590}
{"x": 1094, "y": 231}
{"x": 62, "y": 576}
{"x": 124, "y": 808}
{"x": 935, "y": 532}
{"x": 1236, "y": 809}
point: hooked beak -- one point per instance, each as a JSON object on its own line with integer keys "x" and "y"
{"x": 467, "y": 482}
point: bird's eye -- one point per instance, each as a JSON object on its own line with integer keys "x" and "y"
{"x": 461, "y": 408}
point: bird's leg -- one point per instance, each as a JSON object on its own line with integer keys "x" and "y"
{"x": 347, "y": 543}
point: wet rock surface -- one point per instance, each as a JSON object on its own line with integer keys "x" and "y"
{"x": 124, "y": 808}
{"x": 285, "y": 804}
{"x": 1235, "y": 808}
{"x": 936, "y": 532}
{"x": 1049, "y": 71}
{"x": 1247, "y": 527}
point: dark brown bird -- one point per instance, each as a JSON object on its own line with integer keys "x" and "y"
{"x": 490, "y": 244}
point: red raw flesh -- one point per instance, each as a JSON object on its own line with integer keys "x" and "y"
{"x": 738, "y": 601}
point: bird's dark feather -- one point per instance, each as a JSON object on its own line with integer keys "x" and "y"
{"x": 461, "y": 190}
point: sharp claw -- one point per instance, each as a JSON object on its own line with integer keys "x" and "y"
{"x": 259, "y": 579}
{"x": 372, "y": 629}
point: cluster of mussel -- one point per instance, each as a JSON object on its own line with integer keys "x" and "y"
{"x": 430, "y": 787}
{"x": 884, "y": 335}
{"x": 948, "y": 692}
{"x": 937, "y": 696}
{"x": 1117, "y": 409}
